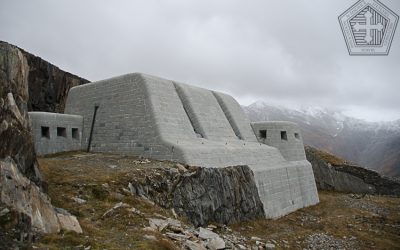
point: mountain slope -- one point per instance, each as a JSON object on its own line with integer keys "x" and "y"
{"x": 375, "y": 145}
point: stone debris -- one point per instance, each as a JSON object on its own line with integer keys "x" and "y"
{"x": 193, "y": 245}
{"x": 255, "y": 238}
{"x": 79, "y": 200}
{"x": 132, "y": 189}
{"x": 136, "y": 211}
{"x": 216, "y": 243}
{"x": 181, "y": 168}
{"x": 206, "y": 234}
{"x": 4, "y": 211}
{"x": 149, "y": 237}
{"x": 177, "y": 236}
{"x": 69, "y": 222}
{"x": 141, "y": 161}
{"x": 324, "y": 241}
{"x": 117, "y": 206}
{"x": 158, "y": 224}
{"x": 269, "y": 246}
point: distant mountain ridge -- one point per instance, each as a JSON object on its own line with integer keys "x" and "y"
{"x": 375, "y": 145}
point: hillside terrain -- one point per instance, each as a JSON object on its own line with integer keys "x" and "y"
{"x": 335, "y": 174}
{"x": 375, "y": 145}
{"x": 95, "y": 188}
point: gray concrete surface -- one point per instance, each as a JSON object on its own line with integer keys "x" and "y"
{"x": 282, "y": 135}
{"x": 148, "y": 116}
{"x": 53, "y": 133}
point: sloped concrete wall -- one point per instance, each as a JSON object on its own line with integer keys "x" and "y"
{"x": 51, "y": 142}
{"x": 152, "y": 117}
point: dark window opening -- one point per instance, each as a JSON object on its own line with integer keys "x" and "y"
{"x": 46, "y": 132}
{"x": 61, "y": 131}
{"x": 75, "y": 133}
{"x": 283, "y": 135}
{"x": 263, "y": 134}
{"x": 297, "y": 136}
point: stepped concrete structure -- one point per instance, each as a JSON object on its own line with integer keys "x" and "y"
{"x": 147, "y": 116}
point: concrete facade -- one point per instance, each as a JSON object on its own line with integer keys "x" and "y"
{"x": 284, "y": 136}
{"x": 53, "y": 133}
{"x": 161, "y": 119}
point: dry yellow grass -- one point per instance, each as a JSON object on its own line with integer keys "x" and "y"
{"x": 373, "y": 220}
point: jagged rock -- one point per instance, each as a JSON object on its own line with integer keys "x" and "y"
{"x": 117, "y": 206}
{"x": 16, "y": 141}
{"x": 21, "y": 184}
{"x": 241, "y": 247}
{"x": 223, "y": 195}
{"x": 24, "y": 196}
{"x": 158, "y": 224}
{"x": 178, "y": 237}
{"x": 79, "y": 200}
{"x": 332, "y": 173}
{"x": 193, "y": 245}
{"x": 136, "y": 211}
{"x": 206, "y": 234}
{"x": 48, "y": 85}
{"x": 180, "y": 167}
{"x": 269, "y": 246}
{"x": 149, "y": 237}
{"x": 4, "y": 211}
{"x": 69, "y": 223}
{"x": 216, "y": 243}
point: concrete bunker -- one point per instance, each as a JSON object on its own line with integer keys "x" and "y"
{"x": 53, "y": 133}
{"x": 147, "y": 116}
{"x": 284, "y": 136}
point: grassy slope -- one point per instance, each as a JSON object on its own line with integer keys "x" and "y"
{"x": 374, "y": 221}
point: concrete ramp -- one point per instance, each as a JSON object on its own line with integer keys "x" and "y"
{"x": 157, "y": 118}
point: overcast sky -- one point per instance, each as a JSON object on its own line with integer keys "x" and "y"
{"x": 283, "y": 52}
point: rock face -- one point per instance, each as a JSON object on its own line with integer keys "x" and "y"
{"x": 16, "y": 140}
{"x": 48, "y": 85}
{"x": 24, "y": 196}
{"x": 223, "y": 195}
{"x": 20, "y": 181}
{"x": 333, "y": 173}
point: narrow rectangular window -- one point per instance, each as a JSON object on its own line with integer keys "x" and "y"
{"x": 45, "y": 132}
{"x": 75, "y": 133}
{"x": 263, "y": 134}
{"x": 297, "y": 136}
{"x": 283, "y": 135}
{"x": 62, "y": 132}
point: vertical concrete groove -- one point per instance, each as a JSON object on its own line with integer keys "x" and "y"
{"x": 228, "y": 116}
{"x": 290, "y": 187}
{"x": 185, "y": 107}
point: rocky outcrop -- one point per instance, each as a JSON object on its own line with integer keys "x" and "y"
{"x": 333, "y": 173}
{"x": 48, "y": 85}
{"x": 21, "y": 192}
{"x": 223, "y": 195}
{"x": 16, "y": 141}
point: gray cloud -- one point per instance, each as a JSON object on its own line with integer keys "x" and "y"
{"x": 290, "y": 52}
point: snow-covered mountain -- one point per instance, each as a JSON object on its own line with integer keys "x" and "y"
{"x": 375, "y": 145}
